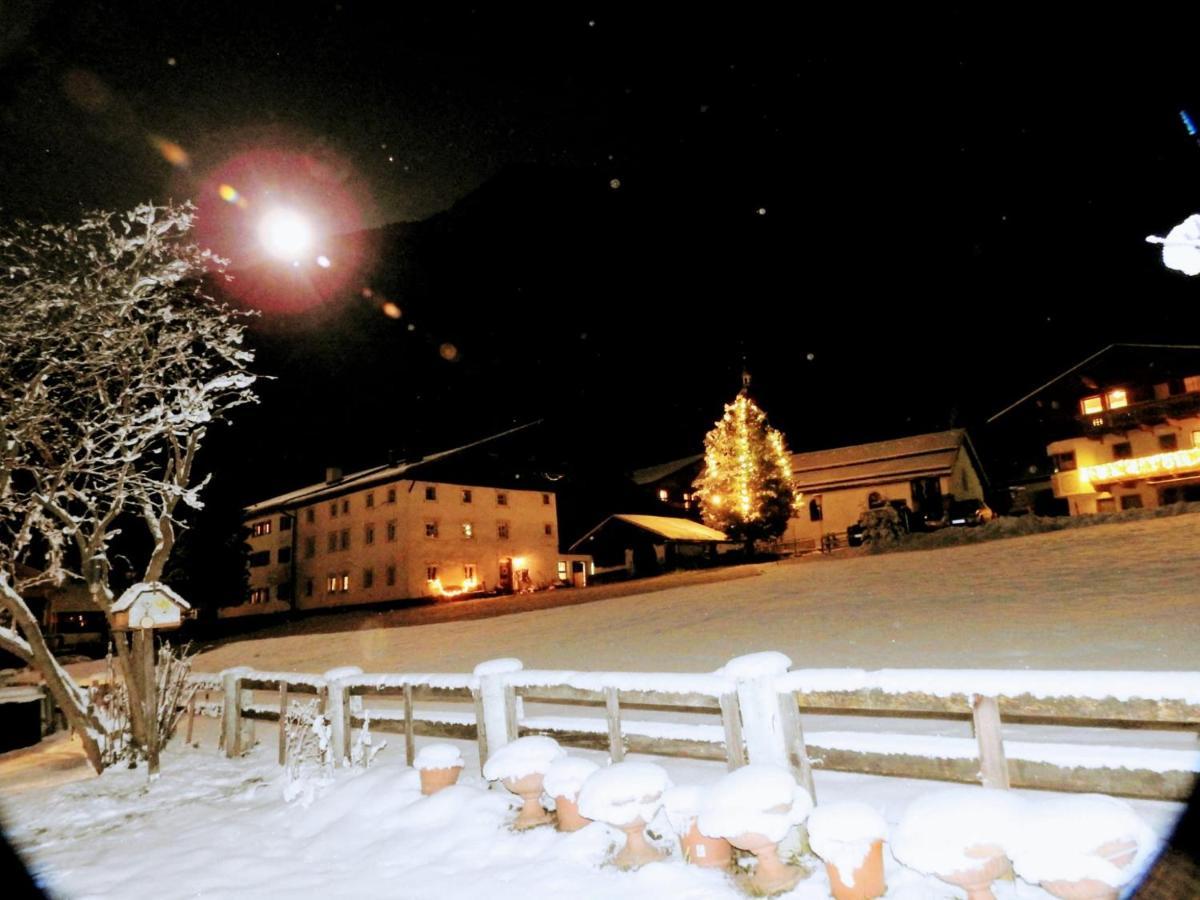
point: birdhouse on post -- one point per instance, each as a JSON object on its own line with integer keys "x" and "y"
{"x": 148, "y": 605}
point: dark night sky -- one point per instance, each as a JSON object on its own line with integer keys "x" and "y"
{"x": 940, "y": 207}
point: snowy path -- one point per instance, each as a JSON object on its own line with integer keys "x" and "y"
{"x": 1111, "y": 597}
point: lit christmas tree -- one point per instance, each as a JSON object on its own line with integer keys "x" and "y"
{"x": 746, "y": 488}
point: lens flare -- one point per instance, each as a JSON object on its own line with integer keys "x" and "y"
{"x": 170, "y": 151}
{"x": 228, "y": 193}
{"x": 391, "y": 310}
{"x": 285, "y": 233}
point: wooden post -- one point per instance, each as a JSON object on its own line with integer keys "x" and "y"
{"x": 612, "y": 712}
{"x": 497, "y": 708}
{"x": 731, "y": 718}
{"x": 191, "y": 714}
{"x": 511, "y": 725}
{"x": 410, "y": 743}
{"x": 283, "y": 715}
{"x": 480, "y": 727}
{"x": 793, "y": 735}
{"x": 143, "y": 652}
{"x": 758, "y": 701}
{"x": 231, "y": 714}
{"x": 993, "y": 767}
{"x": 339, "y": 722}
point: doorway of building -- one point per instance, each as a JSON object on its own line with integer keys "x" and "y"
{"x": 506, "y": 575}
{"x": 927, "y": 499}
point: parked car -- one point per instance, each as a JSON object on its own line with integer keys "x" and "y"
{"x": 968, "y": 513}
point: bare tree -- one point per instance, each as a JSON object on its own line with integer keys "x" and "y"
{"x": 113, "y": 364}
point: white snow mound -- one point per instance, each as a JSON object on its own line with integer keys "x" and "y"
{"x": 498, "y": 666}
{"x": 522, "y": 757}
{"x": 1061, "y": 837}
{"x": 756, "y": 665}
{"x": 757, "y": 799}
{"x": 623, "y": 792}
{"x": 842, "y": 834}
{"x": 938, "y": 827}
{"x": 566, "y": 776}
{"x": 438, "y": 756}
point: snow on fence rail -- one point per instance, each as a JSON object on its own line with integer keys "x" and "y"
{"x": 760, "y": 704}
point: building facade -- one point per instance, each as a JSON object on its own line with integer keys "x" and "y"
{"x": 385, "y": 534}
{"x": 923, "y": 472}
{"x": 1138, "y": 447}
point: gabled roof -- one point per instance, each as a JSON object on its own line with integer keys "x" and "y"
{"x": 918, "y": 456}
{"x": 365, "y": 478}
{"x": 651, "y": 474}
{"x": 668, "y": 527}
{"x": 147, "y": 587}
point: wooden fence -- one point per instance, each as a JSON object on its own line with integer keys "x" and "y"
{"x": 758, "y": 719}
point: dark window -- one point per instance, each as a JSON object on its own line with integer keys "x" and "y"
{"x": 346, "y": 539}
{"x": 391, "y": 575}
{"x": 333, "y": 510}
{"x": 431, "y": 573}
{"x": 285, "y": 523}
{"x": 284, "y": 555}
{"x": 502, "y": 530}
{"x": 466, "y": 495}
{"x": 261, "y": 558}
{"x": 1064, "y": 462}
{"x": 1167, "y": 496}
{"x": 308, "y": 587}
{"x": 430, "y": 492}
{"x": 370, "y": 500}
{"x": 1131, "y": 501}
{"x": 548, "y": 528}
{"x": 875, "y": 500}
{"x": 391, "y": 495}
{"x": 391, "y": 530}
{"x": 545, "y": 499}
{"x": 309, "y": 515}
{"x": 345, "y": 506}
{"x": 332, "y": 541}
{"x": 502, "y": 499}
{"x": 368, "y": 578}
{"x": 310, "y": 547}
{"x": 284, "y": 591}
{"x": 814, "y": 509}
{"x": 369, "y": 534}
{"x": 1106, "y": 505}
{"x": 1123, "y": 450}
{"x": 431, "y": 529}
{"x": 1168, "y": 443}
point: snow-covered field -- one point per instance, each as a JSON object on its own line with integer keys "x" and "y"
{"x": 1111, "y": 597}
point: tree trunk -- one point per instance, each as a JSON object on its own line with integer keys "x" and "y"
{"x": 67, "y": 695}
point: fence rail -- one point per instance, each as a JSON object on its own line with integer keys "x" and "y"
{"x": 757, "y": 717}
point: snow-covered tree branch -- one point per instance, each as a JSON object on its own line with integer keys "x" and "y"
{"x": 114, "y": 362}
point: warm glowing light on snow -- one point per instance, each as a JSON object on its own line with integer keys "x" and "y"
{"x": 285, "y": 233}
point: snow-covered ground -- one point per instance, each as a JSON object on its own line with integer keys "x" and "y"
{"x": 1111, "y": 597}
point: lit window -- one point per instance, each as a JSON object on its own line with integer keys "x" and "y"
{"x": 369, "y": 534}
{"x": 663, "y": 495}
{"x": 502, "y": 499}
{"x": 370, "y": 499}
{"x": 1196, "y": 439}
{"x": 368, "y": 578}
{"x": 1091, "y": 405}
{"x": 469, "y": 572}
{"x": 430, "y": 492}
{"x": 391, "y": 495}
{"x": 466, "y": 495}
{"x": 468, "y": 530}
{"x": 258, "y": 529}
{"x": 562, "y": 570}
{"x": 260, "y": 595}
{"x": 431, "y": 529}
{"x": 345, "y": 582}
{"x": 1191, "y": 384}
{"x": 1117, "y": 399}
{"x": 391, "y": 530}
{"x": 345, "y": 538}
{"x": 502, "y": 530}
{"x": 1096, "y": 423}
{"x": 391, "y": 575}
{"x": 331, "y": 583}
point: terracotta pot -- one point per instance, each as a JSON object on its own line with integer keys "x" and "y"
{"x": 433, "y": 780}
{"x": 868, "y": 877}
{"x": 529, "y": 789}
{"x": 771, "y": 875}
{"x": 637, "y": 850}
{"x": 1119, "y": 853}
{"x": 568, "y": 817}
{"x": 977, "y": 881}
{"x": 702, "y": 850}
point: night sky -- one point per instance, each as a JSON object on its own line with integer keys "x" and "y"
{"x": 901, "y": 222}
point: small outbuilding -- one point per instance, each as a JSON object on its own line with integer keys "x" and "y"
{"x": 643, "y": 545}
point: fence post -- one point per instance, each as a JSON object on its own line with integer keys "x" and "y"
{"x": 612, "y": 713}
{"x": 235, "y": 735}
{"x": 498, "y": 724}
{"x": 985, "y": 717}
{"x": 731, "y": 719}
{"x": 338, "y": 711}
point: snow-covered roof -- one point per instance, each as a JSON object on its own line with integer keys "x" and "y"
{"x": 668, "y": 527}
{"x": 367, "y": 477}
{"x": 921, "y": 455}
{"x": 651, "y": 474}
{"x": 146, "y": 587}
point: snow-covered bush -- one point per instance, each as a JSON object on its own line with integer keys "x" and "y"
{"x": 363, "y": 749}
{"x": 842, "y": 835}
{"x": 624, "y": 792}
{"x": 937, "y": 828}
{"x": 533, "y": 754}
{"x": 881, "y": 526}
{"x": 1060, "y": 839}
{"x": 308, "y": 759}
{"x": 755, "y": 799}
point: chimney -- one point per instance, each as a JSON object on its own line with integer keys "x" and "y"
{"x": 391, "y": 458}
{"x": 333, "y": 475}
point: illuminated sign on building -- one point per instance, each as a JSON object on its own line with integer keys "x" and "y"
{"x": 1143, "y": 466}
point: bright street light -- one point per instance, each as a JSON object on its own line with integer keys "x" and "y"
{"x": 285, "y": 233}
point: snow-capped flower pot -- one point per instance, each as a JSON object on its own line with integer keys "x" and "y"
{"x": 521, "y": 767}
{"x": 563, "y": 781}
{"x": 627, "y": 795}
{"x": 1085, "y": 847}
{"x": 439, "y": 766}
{"x": 960, "y": 835}
{"x": 682, "y": 805}
{"x": 754, "y": 808}
{"x": 849, "y": 838}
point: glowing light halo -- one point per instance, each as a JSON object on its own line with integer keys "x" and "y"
{"x": 285, "y": 233}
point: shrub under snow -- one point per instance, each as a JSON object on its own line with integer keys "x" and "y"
{"x": 1059, "y": 840}
{"x": 758, "y": 799}
{"x": 566, "y": 776}
{"x": 624, "y": 792}
{"x": 438, "y": 756}
{"x": 938, "y": 827}
{"x": 524, "y": 756}
{"x": 842, "y": 834}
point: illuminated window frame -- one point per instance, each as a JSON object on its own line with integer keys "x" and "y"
{"x": 1117, "y": 398}
{"x": 1092, "y": 405}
